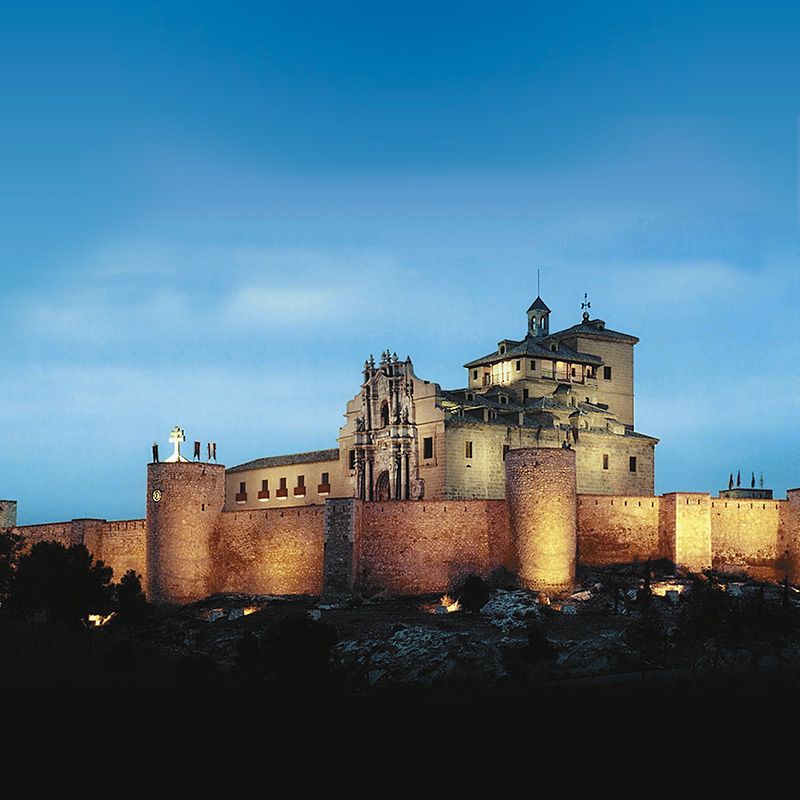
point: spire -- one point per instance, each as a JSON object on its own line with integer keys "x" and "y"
{"x": 585, "y": 305}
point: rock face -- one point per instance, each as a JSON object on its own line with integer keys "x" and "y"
{"x": 512, "y": 611}
{"x": 421, "y": 657}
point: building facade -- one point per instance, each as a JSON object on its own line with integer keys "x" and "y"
{"x": 406, "y": 438}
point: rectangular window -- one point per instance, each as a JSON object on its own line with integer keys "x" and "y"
{"x": 301, "y": 480}
{"x": 519, "y": 366}
{"x": 607, "y": 373}
{"x": 325, "y": 478}
{"x": 525, "y": 394}
{"x": 351, "y": 457}
{"x": 265, "y": 485}
{"x": 632, "y": 464}
{"x": 533, "y": 366}
{"x": 506, "y": 448}
{"x": 427, "y": 447}
{"x": 573, "y": 372}
{"x": 605, "y": 460}
{"x": 242, "y": 487}
{"x": 283, "y": 483}
{"x": 475, "y": 374}
{"x": 468, "y": 450}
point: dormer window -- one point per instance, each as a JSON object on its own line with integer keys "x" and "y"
{"x": 554, "y": 347}
{"x": 470, "y": 396}
{"x": 502, "y": 349}
{"x": 504, "y": 400}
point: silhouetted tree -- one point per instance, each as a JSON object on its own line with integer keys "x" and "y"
{"x": 129, "y": 600}
{"x": 62, "y": 581}
{"x": 646, "y": 591}
{"x": 473, "y": 593}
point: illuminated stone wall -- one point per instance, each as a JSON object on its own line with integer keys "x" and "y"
{"x": 542, "y": 513}
{"x": 618, "y": 530}
{"x": 180, "y": 529}
{"x": 420, "y": 547}
{"x": 484, "y": 475}
{"x": 685, "y": 529}
{"x": 747, "y": 532}
{"x": 275, "y": 551}
{"x": 8, "y": 513}
{"x": 792, "y": 534}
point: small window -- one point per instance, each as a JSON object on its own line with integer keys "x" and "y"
{"x": 525, "y": 393}
{"x": 554, "y": 347}
{"x": 502, "y": 349}
{"x": 519, "y": 366}
{"x": 470, "y": 396}
{"x": 283, "y": 483}
{"x": 351, "y": 459}
{"x": 573, "y": 372}
{"x": 265, "y": 485}
{"x": 533, "y": 366}
{"x": 301, "y": 480}
{"x": 427, "y": 447}
{"x": 632, "y": 464}
{"x": 607, "y": 373}
{"x": 506, "y": 448}
{"x": 242, "y": 487}
{"x": 475, "y": 374}
{"x": 326, "y": 479}
{"x": 605, "y": 460}
{"x": 467, "y": 449}
{"x": 503, "y": 401}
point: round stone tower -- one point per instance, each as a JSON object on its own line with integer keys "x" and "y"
{"x": 8, "y": 513}
{"x": 184, "y": 501}
{"x": 541, "y": 495}
{"x": 792, "y": 534}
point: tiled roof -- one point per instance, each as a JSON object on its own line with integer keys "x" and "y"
{"x": 596, "y": 328}
{"x": 284, "y": 461}
{"x": 539, "y": 348}
{"x": 538, "y": 305}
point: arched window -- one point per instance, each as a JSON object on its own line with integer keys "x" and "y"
{"x": 385, "y": 414}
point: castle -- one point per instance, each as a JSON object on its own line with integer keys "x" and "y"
{"x": 535, "y": 466}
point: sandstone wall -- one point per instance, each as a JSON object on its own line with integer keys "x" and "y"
{"x": 747, "y": 532}
{"x": 542, "y": 512}
{"x": 422, "y": 547}
{"x": 618, "y": 530}
{"x": 276, "y": 551}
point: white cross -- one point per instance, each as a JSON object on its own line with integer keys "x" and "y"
{"x": 176, "y": 438}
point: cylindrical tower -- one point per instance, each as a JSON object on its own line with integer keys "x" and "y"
{"x": 792, "y": 534}
{"x": 8, "y": 513}
{"x": 541, "y": 493}
{"x": 184, "y": 501}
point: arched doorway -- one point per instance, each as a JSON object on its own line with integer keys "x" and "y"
{"x": 382, "y": 486}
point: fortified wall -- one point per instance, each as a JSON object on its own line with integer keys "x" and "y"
{"x": 188, "y": 547}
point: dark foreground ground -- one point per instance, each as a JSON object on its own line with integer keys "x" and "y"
{"x": 690, "y": 643}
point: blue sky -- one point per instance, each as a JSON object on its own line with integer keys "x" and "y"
{"x": 210, "y": 214}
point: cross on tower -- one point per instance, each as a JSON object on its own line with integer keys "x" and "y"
{"x": 586, "y": 305}
{"x": 176, "y": 438}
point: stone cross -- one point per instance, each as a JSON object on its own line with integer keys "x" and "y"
{"x": 176, "y": 438}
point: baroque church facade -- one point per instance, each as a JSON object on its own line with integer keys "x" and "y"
{"x": 406, "y": 438}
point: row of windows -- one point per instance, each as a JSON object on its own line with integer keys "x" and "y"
{"x": 427, "y": 452}
{"x": 518, "y": 368}
{"x": 632, "y": 460}
{"x": 283, "y": 489}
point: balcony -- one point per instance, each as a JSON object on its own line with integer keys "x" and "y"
{"x": 324, "y": 488}
{"x": 263, "y": 496}
{"x": 299, "y": 491}
{"x": 281, "y": 493}
{"x": 241, "y": 498}
{"x": 567, "y": 377}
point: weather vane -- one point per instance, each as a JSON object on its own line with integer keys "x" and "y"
{"x": 585, "y": 306}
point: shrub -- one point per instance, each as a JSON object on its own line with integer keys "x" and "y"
{"x": 472, "y": 592}
{"x": 129, "y": 600}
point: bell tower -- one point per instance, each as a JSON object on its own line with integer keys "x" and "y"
{"x": 538, "y": 319}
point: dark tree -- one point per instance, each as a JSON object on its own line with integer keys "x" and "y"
{"x": 62, "y": 581}
{"x": 473, "y": 593}
{"x": 129, "y": 600}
